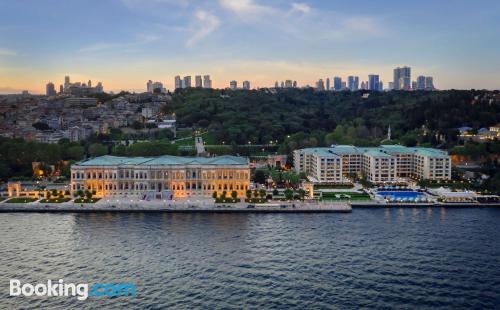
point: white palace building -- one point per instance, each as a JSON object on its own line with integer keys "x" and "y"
{"x": 163, "y": 177}
{"x": 384, "y": 164}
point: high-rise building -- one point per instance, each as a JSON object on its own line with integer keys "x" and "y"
{"x": 276, "y": 84}
{"x": 246, "y": 84}
{"x": 282, "y": 84}
{"x": 414, "y": 85}
{"x": 421, "y": 82}
{"x": 337, "y": 83}
{"x": 89, "y": 84}
{"x": 327, "y": 83}
{"x": 353, "y": 83}
{"x": 67, "y": 82}
{"x": 402, "y": 78}
{"x": 149, "y": 86}
{"x": 61, "y": 89}
{"x": 429, "y": 83}
{"x": 380, "y": 86}
{"x": 207, "y": 82}
{"x": 50, "y": 89}
{"x": 288, "y": 84}
{"x": 99, "y": 88}
{"x": 187, "y": 81}
{"x": 373, "y": 82}
{"x": 320, "y": 85}
{"x": 197, "y": 81}
{"x": 233, "y": 85}
{"x": 391, "y": 86}
{"x": 294, "y": 84}
{"x": 178, "y": 82}
{"x": 344, "y": 85}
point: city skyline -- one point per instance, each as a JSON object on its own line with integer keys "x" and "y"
{"x": 128, "y": 42}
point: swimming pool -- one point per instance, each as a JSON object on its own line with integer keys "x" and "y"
{"x": 405, "y": 195}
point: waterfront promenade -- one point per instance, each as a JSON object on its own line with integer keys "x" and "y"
{"x": 185, "y": 205}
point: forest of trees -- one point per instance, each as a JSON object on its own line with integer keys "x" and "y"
{"x": 323, "y": 118}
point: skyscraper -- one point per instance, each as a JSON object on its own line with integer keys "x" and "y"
{"x": 197, "y": 81}
{"x": 288, "y": 84}
{"x": 50, "y": 89}
{"x": 337, "y": 83}
{"x": 207, "y": 82}
{"x": 373, "y": 82}
{"x": 421, "y": 82}
{"x": 429, "y": 83}
{"x": 380, "y": 86}
{"x": 320, "y": 85}
{"x": 187, "y": 81}
{"x": 246, "y": 84}
{"x": 294, "y": 84}
{"x": 149, "y": 86}
{"x": 178, "y": 82}
{"x": 353, "y": 83}
{"x": 233, "y": 85}
{"x": 66, "y": 82}
{"x": 402, "y": 78}
{"x": 327, "y": 83}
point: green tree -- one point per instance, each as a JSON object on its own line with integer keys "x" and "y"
{"x": 97, "y": 149}
{"x": 288, "y": 194}
{"x": 262, "y": 193}
{"x": 248, "y": 193}
{"x": 234, "y": 194}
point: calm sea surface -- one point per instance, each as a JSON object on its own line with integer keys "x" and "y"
{"x": 395, "y": 258}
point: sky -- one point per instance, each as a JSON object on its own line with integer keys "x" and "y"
{"x": 124, "y": 43}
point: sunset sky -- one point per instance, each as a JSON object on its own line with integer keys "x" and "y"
{"x": 124, "y": 43}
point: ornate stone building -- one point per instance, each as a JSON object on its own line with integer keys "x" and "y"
{"x": 163, "y": 177}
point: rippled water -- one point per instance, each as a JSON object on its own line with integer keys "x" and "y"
{"x": 393, "y": 258}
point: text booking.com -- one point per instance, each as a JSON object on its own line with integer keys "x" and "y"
{"x": 81, "y": 291}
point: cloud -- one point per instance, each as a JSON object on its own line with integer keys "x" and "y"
{"x": 148, "y": 38}
{"x": 300, "y": 8}
{"x": 247, "y": 9}
{"x": 7, "y": 52}
{"x": 206, "y": 23}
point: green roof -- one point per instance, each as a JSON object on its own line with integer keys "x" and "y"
{"x": 383, "y": 150}
{"x": 165, "y": 160}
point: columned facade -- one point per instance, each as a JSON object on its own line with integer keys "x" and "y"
{"x": 162, "y": 177}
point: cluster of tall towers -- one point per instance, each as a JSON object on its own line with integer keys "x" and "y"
{"x": 401, "y": 81}
{"x": 198, "y": 82}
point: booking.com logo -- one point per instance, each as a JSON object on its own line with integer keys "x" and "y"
{"x": 80, "y": 291}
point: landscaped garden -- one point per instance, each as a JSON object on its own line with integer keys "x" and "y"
{"x": 333, "y": 186}
{"x": 86, "y": 200}
{"x": 341, "y": 196}
{"x": 21, "y": 200}
{"x": 55, "y": 200}
{"x": 224, "y": 199}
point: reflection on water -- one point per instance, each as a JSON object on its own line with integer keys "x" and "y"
{"x": 383, "y": 258}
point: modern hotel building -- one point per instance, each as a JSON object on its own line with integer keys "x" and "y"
{"x": 384, "y": 164}
{"x": 161, "y": 177}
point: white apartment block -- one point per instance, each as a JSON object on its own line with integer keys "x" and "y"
{"x": 384, "y": 164}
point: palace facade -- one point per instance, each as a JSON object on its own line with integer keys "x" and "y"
{"x": 163, "y": 177}
{"x": 384, "y": 164}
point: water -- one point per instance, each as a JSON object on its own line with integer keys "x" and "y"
{"x": 400, "y": 194}
{"x": 385, "y": 258}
